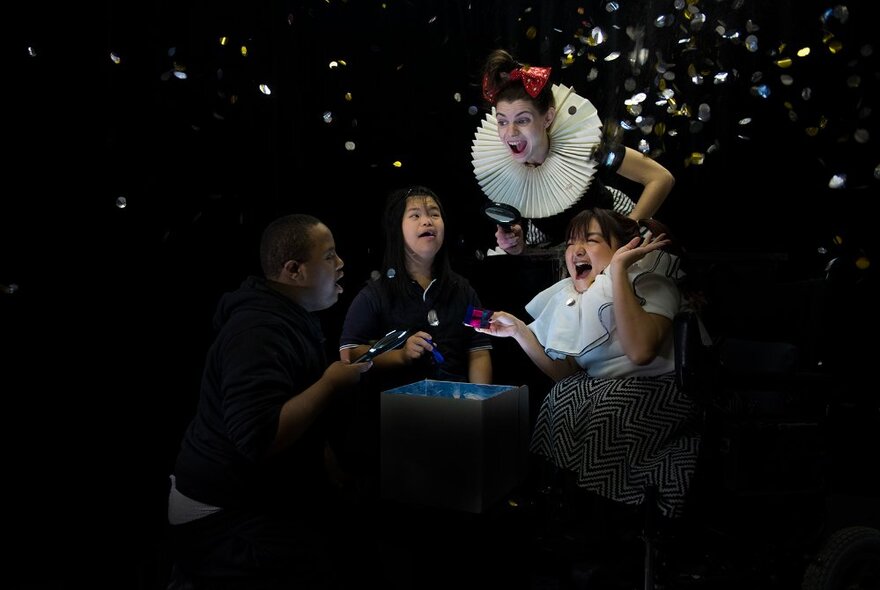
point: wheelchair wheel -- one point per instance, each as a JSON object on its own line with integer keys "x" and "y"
{"x": 848, "y": 560}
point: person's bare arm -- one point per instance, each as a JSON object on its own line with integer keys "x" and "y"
{"x": 656, "y": 180}
{"x": 479, "y": 366}
{"x": 641, "y": 333}
{"x": 506, "y": 325}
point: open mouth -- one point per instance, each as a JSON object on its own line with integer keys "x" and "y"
{"x": 517, "y": 147}
{"x": 428, "y": 234}
{"x": 582, "y": 269}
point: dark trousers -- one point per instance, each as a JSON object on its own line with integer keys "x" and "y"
{"x": 232, "y": 550}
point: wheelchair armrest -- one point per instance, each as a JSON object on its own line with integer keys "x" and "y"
{"x": 692, "y": 357}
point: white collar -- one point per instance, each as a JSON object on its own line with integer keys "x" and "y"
{"x": 568, "y": 323}
{"x": 558, "y": 183}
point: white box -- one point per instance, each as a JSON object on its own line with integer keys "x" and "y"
{"x": 453, "y": 445}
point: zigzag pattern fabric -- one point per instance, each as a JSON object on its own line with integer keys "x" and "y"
{"x": 620, "y": 435}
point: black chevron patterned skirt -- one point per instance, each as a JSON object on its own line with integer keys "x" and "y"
{"x": 620, "y": 435}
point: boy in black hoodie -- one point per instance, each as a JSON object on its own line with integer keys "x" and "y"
{"x": 249, "y": 493}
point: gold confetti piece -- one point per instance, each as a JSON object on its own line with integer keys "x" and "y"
{"x": 785, "y": 62}
{"x": 696, "y": 158}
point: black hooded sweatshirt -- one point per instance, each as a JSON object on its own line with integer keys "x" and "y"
{"x": 267, "y": 350}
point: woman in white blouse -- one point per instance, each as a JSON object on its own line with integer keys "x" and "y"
{"x": 615, "y": 416}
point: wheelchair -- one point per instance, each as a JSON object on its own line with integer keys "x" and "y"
{"x": 781, "y": 497}
{"x": 779, "y": 500}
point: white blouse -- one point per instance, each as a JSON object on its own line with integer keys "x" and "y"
{"x": 568, "y": 323}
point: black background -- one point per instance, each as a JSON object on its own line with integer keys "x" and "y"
{"x": 102, "y": 342}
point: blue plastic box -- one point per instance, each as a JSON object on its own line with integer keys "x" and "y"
{"x": 461, "y": 446}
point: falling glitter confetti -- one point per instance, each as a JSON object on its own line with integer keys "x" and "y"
{"x": 837, "y": 181}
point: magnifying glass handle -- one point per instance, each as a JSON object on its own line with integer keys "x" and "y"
{"x": 367, "y": 356}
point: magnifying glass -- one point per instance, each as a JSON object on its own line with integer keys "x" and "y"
{"x": 389, "y": 341}
{"x": 502, "y": 214}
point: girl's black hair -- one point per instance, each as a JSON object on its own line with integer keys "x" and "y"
{"x": 621, "y": 228}
{"x": 395, "y": 248}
